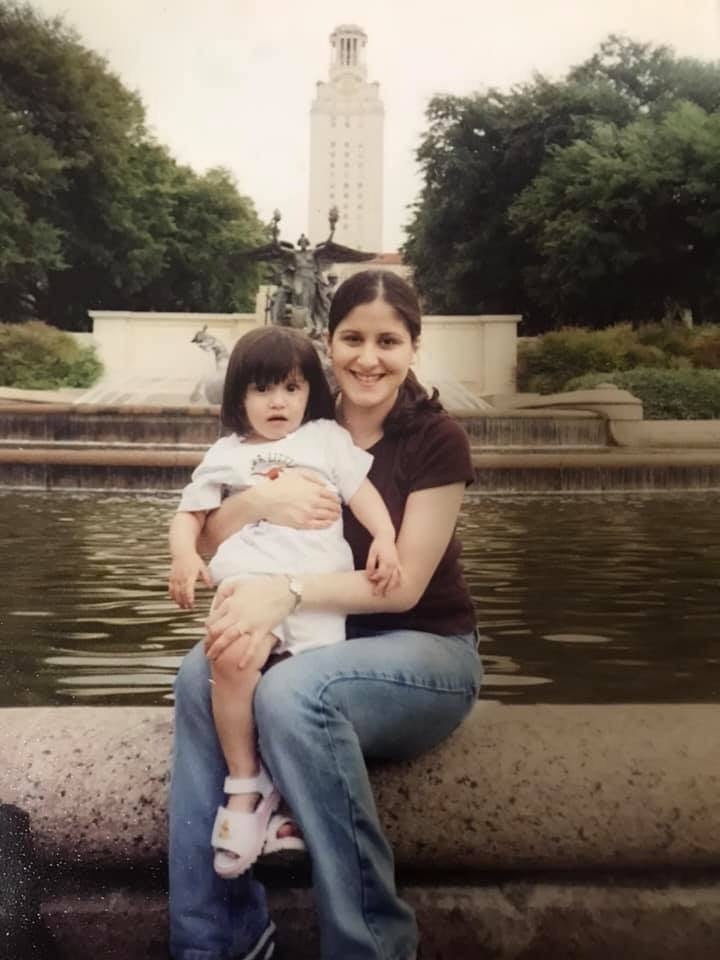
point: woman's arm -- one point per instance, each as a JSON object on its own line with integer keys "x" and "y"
{"x": 244, "y": 612}
{"x": 298, "y": 498}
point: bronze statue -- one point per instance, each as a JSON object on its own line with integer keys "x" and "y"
{"x": 303, "y": 290}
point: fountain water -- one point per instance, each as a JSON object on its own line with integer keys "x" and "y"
{"x": 147, "y": 447}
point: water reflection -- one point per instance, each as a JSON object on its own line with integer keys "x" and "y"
{"x": 611, "y": 598}
{"x": 579, "y": 599}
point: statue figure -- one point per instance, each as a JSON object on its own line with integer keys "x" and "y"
{"x": 303, "y": 290}
{"x": 211, "y": 344}
{"x": 210, "y": 388}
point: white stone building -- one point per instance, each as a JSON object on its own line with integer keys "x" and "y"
{"x": 346, "y": 147}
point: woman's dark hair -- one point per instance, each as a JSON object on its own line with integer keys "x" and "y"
{"x": 268, "y": 356}
{"x": 370, "y": 285}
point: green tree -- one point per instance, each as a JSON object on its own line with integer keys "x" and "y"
{"x": 649, "y": 79}
{"x": 30, "y": 243}
{"x": 94, "y": 213}
{"x": 208, "y": 223}
{"x": 627, "y": 221}
{"x": 77, "y": 123}
{"x": 480, "y": 153}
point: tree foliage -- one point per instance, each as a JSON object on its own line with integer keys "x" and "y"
{"x": 490, "y": 230}
{"x": 93, "y": 212}
{"x": 627, "y": 221}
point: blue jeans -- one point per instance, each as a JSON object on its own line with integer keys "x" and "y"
{"x": 318, "y": 715}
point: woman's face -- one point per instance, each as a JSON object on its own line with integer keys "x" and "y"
{"x": 371, "y": 351}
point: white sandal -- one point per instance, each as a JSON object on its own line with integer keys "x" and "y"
{"x": 238, "y": 836}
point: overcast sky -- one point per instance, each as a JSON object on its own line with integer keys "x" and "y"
{"x": 230, "y": 82}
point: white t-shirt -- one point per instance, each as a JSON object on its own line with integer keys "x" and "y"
{"x": 232, "y": 464}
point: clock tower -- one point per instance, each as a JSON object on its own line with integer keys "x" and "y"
{"x": 346, "y": 147}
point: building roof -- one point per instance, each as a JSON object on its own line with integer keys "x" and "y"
{"x": 348, "y": 28}
{"x": 388, "y": 258}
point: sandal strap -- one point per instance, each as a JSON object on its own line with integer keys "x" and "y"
{"x": 261, "y": 784}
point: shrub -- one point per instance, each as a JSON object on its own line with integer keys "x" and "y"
{"x": 547, "y": 364}
{"x": 36, "y": 356}
{"x": 673, "y": 340}
{"x": 665, "y": 394}
{"x": 705, "y": 348}
{"x": 564, "y": 354}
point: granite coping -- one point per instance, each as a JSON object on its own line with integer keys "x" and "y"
{"x": 539, "y": 787}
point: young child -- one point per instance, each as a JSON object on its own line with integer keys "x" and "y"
{"x": 277, "y": 403}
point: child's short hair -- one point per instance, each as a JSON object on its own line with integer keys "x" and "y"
{"x": 267, "y": 356}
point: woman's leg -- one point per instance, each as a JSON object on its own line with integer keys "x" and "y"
{"x": 210, "y": 918}
{"x": 391, "y": 696}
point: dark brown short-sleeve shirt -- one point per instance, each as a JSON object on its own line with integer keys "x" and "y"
{"x": 434, "y": 453}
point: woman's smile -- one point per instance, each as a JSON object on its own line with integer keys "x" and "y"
{"x": 371, "y": 352}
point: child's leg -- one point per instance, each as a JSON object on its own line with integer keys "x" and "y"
{"x": 232, "y": 704}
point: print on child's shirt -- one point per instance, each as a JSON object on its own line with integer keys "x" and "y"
{"x": 269, "y": 465}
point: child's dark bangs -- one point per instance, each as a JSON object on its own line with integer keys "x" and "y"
{"x": 266, "y": 367}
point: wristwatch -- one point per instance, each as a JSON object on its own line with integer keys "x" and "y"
{"x": 295, "y": 588}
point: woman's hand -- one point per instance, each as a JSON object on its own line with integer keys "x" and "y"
{"x": 244, "y": 612}
{"x": 297, "y": 498}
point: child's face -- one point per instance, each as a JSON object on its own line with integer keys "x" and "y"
{"x": 278, "y": 409}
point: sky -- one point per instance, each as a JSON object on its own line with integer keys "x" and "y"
{"x": 230, "y": 82}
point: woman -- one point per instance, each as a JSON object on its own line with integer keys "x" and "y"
{"x": 405, "y": 680}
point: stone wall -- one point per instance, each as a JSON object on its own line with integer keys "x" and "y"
{"x": 478, "y": 351}
{"x": 534, "y": 832}
{"x": 160, "y": 344}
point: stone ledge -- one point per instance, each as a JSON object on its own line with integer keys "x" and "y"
{"x": 534, "y": 833}
{"x": 516, "y": 788}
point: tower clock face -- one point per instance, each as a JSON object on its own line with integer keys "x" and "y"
{"x": 347, "y": 85}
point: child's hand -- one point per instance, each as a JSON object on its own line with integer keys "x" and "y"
{"x": 383, "y": 565}
{"x": 186, "y": 569}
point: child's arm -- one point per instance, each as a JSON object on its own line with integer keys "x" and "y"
{"x": 383, "y": 566}
{"x": 187, "y": 564}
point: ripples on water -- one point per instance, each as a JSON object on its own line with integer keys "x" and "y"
{"x": 579, "y": 599}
